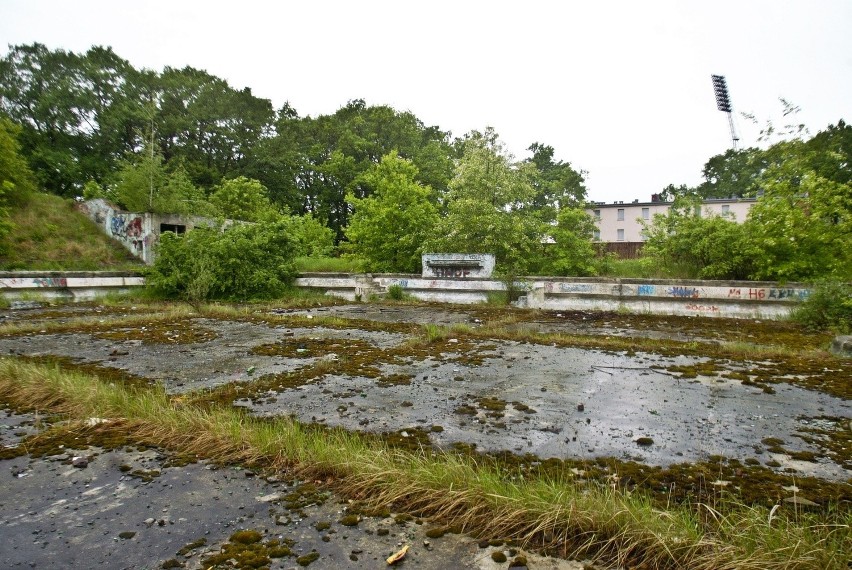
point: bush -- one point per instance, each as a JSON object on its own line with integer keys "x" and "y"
{"x": 244, "y": 262}
{"x": 829, "y": 307}
{"x": 396, "y": 292}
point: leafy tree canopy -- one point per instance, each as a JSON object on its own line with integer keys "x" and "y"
{"x": 390, "y": 226}
{"x": 243, "y": 199}
{"x": 489, "y": 207}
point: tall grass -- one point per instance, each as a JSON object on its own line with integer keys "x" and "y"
{"x": 48, "y": 234}
{"x": 559, "y": 515}
{"x": 330, "y": 264}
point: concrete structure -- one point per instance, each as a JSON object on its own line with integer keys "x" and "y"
{"x": 458, "y": 265}
{"x": 620, "y": 222}
{"x": 732, "y": 299}
{"x": 139, "y": 233}
{"x": 66, "y": 285}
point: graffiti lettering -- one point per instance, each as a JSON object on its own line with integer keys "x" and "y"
{"x": 575, "y": 288}
{"x": 703, "y": 308}
{"x": 451, "y": 272}
{"x": 757, "y": 293}
{"x": 50, "y": 282}
{"x": 735, "y": 293}
{"x": 684, "y": 292}
{"x": 646, "y": 290}
{"x": 126, "y": 227}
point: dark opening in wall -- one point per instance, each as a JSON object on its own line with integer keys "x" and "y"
{"x": 175, "y": 228}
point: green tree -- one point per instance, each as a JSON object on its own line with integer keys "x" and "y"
{"x": 556, "y": 184}
{"x": 389, "y": 227}
{"x": 685, "y": 242}
{"x": 802, "y": 223}
{"x": 489, "y": 208}
{"x": 16, "y": 180}
{"x": 312, "y": 238}
{"x": 573, "y": 251}
{"x": 734, "y": 174}
{"x": 80, "y": 113}
{"x": 147, "y": 186}
{"x": 243, "y": 199}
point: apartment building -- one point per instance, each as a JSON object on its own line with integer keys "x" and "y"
{"x": 620, "y": 222}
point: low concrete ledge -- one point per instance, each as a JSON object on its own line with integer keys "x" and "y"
{"x": 732, "y": 299}
{"x": 73, "y": 285}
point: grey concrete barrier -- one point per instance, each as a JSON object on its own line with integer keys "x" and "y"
{"x": 69, "y": 285}
{"x": 733, "y": 299}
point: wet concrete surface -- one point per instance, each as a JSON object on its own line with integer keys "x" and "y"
{"x": 56, "y": 515}
{"x": 557, "y": 402}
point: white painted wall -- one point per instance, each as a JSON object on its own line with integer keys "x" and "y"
{"x": 611, "y": 218}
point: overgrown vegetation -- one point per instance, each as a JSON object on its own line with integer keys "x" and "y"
{"x": 557, "y": 515}
{"x": 241, "y": 262}
{"x": 828, "y": 307}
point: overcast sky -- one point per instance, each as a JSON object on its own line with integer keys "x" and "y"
{"x": 620, "y": 89}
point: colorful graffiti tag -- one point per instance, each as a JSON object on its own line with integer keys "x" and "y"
{"x": 646, "y": 290}
{"x": 760, "y": 294}
{"x": 50, "y": 282}
{"x": 684, "y": 292}
{"x": 126, "y": 226}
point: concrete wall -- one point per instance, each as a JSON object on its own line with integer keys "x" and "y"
{"x": 71, "y": 285}
{"x": 734, "y": 299}
{"x": 139, "y": 233}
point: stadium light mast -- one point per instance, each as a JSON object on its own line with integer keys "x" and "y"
{"x": 723, "y": 103}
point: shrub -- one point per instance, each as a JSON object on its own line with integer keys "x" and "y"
{"x": 244, "y": 262}
{"x": 829, "y": 307}
{"x": 396, "y": 292}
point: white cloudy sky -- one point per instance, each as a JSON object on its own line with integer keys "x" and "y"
{"x": 619, "y": 88}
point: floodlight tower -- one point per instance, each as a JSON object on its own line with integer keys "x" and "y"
{"x": 723, "y": 103}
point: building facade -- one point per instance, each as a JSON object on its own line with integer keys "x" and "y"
{"x": 620, "y": 222}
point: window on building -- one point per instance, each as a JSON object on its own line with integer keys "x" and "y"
{"x": 621, "y": 214}
{"x": 620, "y": 233}
{"x": 726, "y": 208}
{"x": 646, "y": 213}
{"x": 597, "y": 214}
{"x": 597, "y": 235}
{"x": 176, "y": 228}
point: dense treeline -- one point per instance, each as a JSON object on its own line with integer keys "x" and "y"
{"x": 379, "y": 184}
{"x": 185, "y": 141}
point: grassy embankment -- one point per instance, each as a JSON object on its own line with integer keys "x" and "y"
{"x": 612, "y": 525}
{"x": 48, "y": 234}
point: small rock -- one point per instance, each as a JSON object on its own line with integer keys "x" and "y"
{"x": 581, "y": 407}
{"x": 800, "y": 501}
{"x": 81, "y": 462}
{"x": 269, "y": 498}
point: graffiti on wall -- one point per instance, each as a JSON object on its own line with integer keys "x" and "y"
{"x": 126, "y": 226}
{"x": 451, "y": 272}
{"x": 575, "y": 288}
{"x": 702, "y": 308}
{"x": 684, "y": 292}
{"x": 50, "y": 282}
{"x": 129, "y": 229}
{"x": 647, "y": 290}
{"x": 760, "y": 293}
